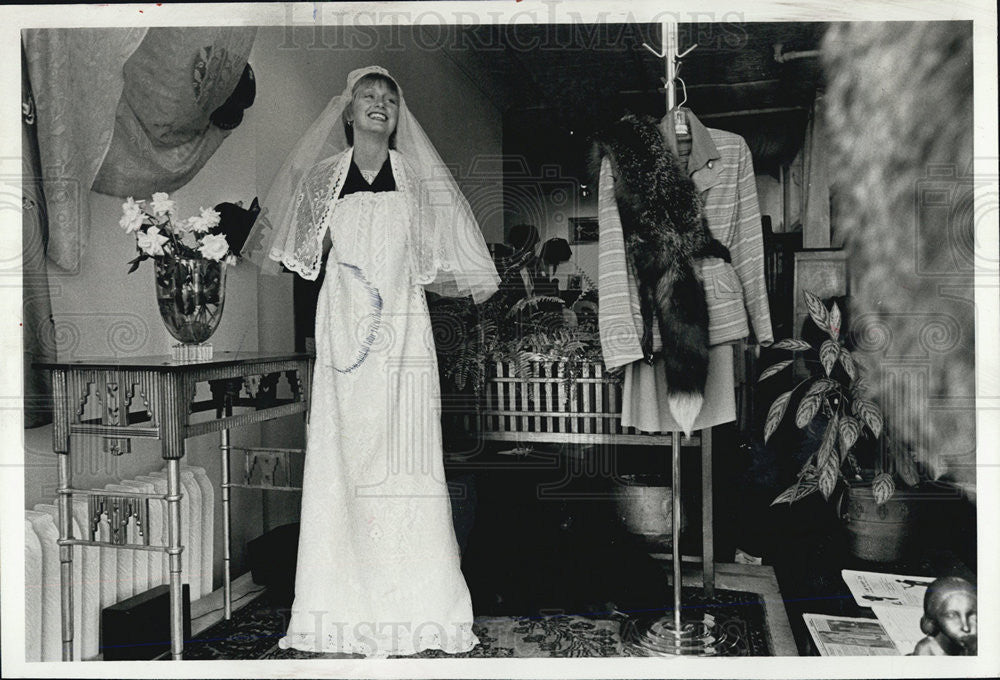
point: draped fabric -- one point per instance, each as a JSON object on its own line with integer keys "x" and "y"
{"x": 39, "y": 332}
{"x": 77, "y": 80}
{"x": 173, "y": 83}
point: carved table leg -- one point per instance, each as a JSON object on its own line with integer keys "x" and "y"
{"x": 225, "y": 409}
{"x": 66, "y": 555}
{"x": 227, "y": 595}
{"x": 174, "y": 549}
{"x": 60, "y": 444}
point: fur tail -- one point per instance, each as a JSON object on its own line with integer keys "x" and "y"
{"x": 683, "y": 321}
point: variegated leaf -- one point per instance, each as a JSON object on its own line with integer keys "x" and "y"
{"x": 792, "y": 344}
{"x": 827, "y": 448}
{"x": 829, "y": 444}
{"x": 811, "y": 402}
{"x": 850, "y": 430}
{"x": 856, "y": 406}
{"x": 907, "y": 469}
{"x": 828, "y": 354}
{"x": 883, "y": 487}
{"x": 795, "y": 492}
{"x": 821, "y": 386}
{"x": 772, "y": 370}
{"x": 817, "y": 310}
{"x": 775, "y": 414}
{"x": 807, "y": 409}
{"x": 869, "y": 415}
{"x": 834, "y": 327}
{"x": 785, "y": 496}
{"x": 828, "y": 478}
{"x": 847, "y": 361}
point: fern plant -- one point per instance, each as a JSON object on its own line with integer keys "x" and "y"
{"x": 529, "y": 330}
{"x": 835, "y": 393}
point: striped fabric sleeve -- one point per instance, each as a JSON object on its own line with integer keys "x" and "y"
{"x": 617, "y": 303}
{"x": 747, "y": 250}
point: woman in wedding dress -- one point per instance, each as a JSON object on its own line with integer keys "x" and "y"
{"x": 366, "y": 197}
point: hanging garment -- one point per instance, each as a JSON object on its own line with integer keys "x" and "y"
{"x": 721, "y": 167}
{"x": 665, "y": 237}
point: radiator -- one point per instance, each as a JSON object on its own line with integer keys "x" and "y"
{"x": 104, "y": 576}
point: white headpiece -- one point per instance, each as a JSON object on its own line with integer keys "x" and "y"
{"x": 448, "y": 252}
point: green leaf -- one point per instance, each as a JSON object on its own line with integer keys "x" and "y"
{"x": 847, "y": 361}
{"x": 828, "y": 354}
{"x": 792, "y": 344}
{"x": 773, "y": 370}
{"x": 796, "y": 492}
{"x": 811, "y": 402}
{"x": 775, "y": 414}
{"x": 828, "y": 477}
{"x": 850, "y": 430}
{"x": 883, "y": 487}
{"x": 827, "y": 449}
{"x": 834, "y": 327}
{"x": 817, "y": 311}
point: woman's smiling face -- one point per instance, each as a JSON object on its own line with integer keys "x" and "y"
{"x": 374, "y": 108}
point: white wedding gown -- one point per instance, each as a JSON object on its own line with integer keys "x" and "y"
{"x": 378, "y": 563}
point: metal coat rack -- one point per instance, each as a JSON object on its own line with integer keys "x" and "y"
{"x": 672, "y": 636}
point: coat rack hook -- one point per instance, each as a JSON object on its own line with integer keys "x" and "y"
{"x": 660, "y": 54}
{"x": 686, "y": 52}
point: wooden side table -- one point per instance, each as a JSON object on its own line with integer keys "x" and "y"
{"x": 154, "y": 397}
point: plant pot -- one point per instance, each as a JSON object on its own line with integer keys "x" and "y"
{"x": 879, "y": 533}
{"x": 190, "y": 294}
{"x": 645, "y": 508}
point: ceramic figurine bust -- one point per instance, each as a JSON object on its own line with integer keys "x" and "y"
{"x": 949, "y": 619}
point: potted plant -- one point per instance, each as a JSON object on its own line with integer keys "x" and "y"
{"x": 832, "y": 396}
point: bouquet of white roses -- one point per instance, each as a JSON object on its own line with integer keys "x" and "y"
{"x": 158, "y": 235}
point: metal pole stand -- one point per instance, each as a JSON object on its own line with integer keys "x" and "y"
{"x": 694, "y": 634}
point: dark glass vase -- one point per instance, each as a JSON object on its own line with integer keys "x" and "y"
{"x": 190, "y": 294}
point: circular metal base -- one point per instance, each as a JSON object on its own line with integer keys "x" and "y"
{"x": 657, "y": 636}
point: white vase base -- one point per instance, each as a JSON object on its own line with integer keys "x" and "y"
{"x": 186, "y": 352}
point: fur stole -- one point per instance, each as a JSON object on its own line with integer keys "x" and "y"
{"x": 665, "y": 233}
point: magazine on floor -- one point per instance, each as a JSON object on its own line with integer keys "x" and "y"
{"x": 870, "y": 588}
{"x": 844, "y": 636}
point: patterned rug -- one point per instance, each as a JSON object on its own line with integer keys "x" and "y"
{"x": 254, "y": 631}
